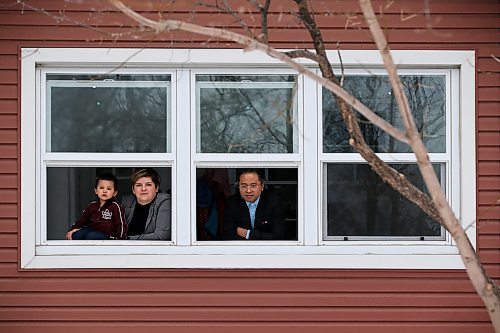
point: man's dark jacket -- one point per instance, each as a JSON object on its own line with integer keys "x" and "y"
{"x": 268, "y": 218}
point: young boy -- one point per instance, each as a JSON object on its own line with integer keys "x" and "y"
{"x": 104, "y": 218}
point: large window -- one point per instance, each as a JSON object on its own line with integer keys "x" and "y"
{"x": 96, "y": 123}
{"x": 201, "y": 122}
{"x": 359, "y": 204}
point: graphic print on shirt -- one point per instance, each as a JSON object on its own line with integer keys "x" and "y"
{"x": 106, "y": 214}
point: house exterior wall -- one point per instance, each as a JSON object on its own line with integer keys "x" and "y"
{"x": 248, "y": 300}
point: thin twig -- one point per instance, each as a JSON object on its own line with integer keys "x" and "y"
{"x": 484, "y": 286}
{"x": 251, "y": 44}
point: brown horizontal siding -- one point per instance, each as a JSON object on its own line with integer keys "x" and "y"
{"x": 8, "y": 136}
{"x": 8, "y": 106}
{"x": 10, "y": 91}
{"x": 8, "y": 181}
{"x": 261, "y": 274}
{"x": 486, "y": 153}
{"x": 289, "y": 301}
{"x": 244, "y": 314}
{"x": 241, "y": 299}
{"x": 245, "y": 327}
{"x": 7, "y": 166}
{"x": 489, "y": 79}
{"x": 441, "y": 7}
{"x": 489, "y": 212}
{"x": 8, "y": 226}
{"x": 8, "y": 61}
{"x": 355, "y": 283}
{"x": 7, "y": 257}
{"x": 489, "y": 183}
{"x": 8, "y": 77}
{"x": 8, "y": 195}
{"x": 488, "y": 197}
{"x": 8, "y": 121}
{"x": 50, "y": 33}
{"x": 488, "y": 139}
{"x": 493, "y": 271}
{"x": 489, "y": 227}
{"x": 333, "y": 20}
{"x": 488, "y": 65}
{"x": 489, "y": 256}
{"x": 487, "y": 109}
{"x": 8, "y": 240}
{"x": 489, "y": 94}
{"x": 488, "y": 168}
{"x": 8, "y": 151}
{"x": 489, "y": 123}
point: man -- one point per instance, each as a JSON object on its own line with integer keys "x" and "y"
{"x": 252, "y": 213}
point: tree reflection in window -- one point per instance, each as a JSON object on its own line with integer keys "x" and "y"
{"x": 110, "y": 114}
{"x": 246, "y": 114}
{"x": 426, "y": 97}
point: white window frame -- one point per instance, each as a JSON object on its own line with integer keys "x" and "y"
{"x": 253, "y": 160}
{"x": 183, "y": 252}
{"x": 446, "y": 159}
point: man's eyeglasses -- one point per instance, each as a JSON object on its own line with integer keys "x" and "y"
{"x": 252, "y": 187}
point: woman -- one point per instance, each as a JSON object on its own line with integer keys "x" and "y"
{"x": 147, "y": 211}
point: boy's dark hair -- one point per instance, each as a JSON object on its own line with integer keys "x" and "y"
{"x": 146, "y": 172}
{"x": 258, "y": 172}
{"x": 107, "y": 176}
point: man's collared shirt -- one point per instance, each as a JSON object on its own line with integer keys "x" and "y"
{"x": 252, "y": 208}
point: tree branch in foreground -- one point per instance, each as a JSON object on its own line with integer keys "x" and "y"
{"x": 484, "y": 286}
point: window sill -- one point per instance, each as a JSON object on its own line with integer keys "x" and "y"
{"x": 165, "y": 255}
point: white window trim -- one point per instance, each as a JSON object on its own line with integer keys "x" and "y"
{"x": 305, "y": 253}
{"x": 445, "y": 158}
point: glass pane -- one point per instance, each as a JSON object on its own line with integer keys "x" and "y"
{"x": 359, "y": 203}
{"x": 71, "y": 189}
{"x": 216, "y": 187}
{"x": 426, "y": 96}
{"x": 117, "y": 114}
{"x": 246, "y": 114}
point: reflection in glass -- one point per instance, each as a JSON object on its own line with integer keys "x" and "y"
{"x": 426, "y": 96}
{"x": 119, "y": 114}
{"x": 246, "y": 114}
{"x": 359, "y": 203}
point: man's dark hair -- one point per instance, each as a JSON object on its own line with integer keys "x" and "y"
{"x": 107, "y": 176}
{"x": 258, "y": 172}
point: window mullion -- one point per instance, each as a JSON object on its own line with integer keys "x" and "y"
{"x": 183, "y": 174}
{"x": 310, "y": 184}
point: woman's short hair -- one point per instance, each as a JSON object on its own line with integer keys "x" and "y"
{"x": 146, "y": 172}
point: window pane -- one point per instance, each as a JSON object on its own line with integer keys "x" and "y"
{"x": 246, "y": 114}
{"x": 359, "y": 203}
{"x": 426, "y": 96}
{"x": 71, "y": 189}
{"x": 216, "y": 185}
{"x": 117, "y": 114}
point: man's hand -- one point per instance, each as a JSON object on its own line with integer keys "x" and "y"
{"x": 241, "y": 232}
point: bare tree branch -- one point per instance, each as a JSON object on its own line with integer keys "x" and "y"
{"x": 396, "y": 180}
{"x": 484, "y": 286}
{"x": 264, "y": 10}
{"x": 252, "y": 44}
{"x": 302, "y": 54}
{"x": 437, "y": 208}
